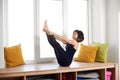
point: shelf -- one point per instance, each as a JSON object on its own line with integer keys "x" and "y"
{"x": 53, "y": 71}
{"x": 112, "y": 70}
{"x": 44, "y": 77}
{"x": 69, "y": 76}
{"x": 12, "y": 78}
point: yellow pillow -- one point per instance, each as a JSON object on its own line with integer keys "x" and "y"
{"x": 87, "y": 53}
{"x": 13, "y": 56}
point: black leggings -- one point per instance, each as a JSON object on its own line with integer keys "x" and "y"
{"x": 62, "y": 58}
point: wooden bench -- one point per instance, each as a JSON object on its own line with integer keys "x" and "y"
{"x": 24, "y": 72}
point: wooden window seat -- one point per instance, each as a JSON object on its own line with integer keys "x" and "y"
{"x": 25, "y": 72}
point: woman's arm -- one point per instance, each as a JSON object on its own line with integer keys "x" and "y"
{"x": 57, "y": 36}
{"x": 60, "y": 38}
{"x": 63, "y": 39}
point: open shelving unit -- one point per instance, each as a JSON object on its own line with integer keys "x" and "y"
{"x": 52, "y": 71}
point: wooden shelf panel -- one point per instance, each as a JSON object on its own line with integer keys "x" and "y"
{"x": 54, "y": 68}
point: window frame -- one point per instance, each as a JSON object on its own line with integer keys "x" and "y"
{"x": 37, "y": 58}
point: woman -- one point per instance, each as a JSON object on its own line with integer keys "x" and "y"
{"x": 64, "y": 57}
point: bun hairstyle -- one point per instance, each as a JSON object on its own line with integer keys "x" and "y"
{"x": 80, "y": 35}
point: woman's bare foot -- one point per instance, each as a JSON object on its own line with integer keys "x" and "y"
{"x": 46, "y": 29}
{"x": 45, "y": 24}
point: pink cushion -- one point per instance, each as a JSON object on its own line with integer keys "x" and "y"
{"x": 108, "y": 75}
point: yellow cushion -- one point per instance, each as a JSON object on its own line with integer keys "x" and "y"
{"x": 87, "y": 53}
{"x": 13, "y": 56}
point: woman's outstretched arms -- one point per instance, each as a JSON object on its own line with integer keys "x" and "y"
{"x": 57, "y": 36}
{"x": 61, "y": 38}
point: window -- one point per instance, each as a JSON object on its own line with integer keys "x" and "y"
{"x": 52, "y": 11}
{"x": 25, "y": 23}
{"x": 78, "y": 17}
{"x": 20, "y": 26}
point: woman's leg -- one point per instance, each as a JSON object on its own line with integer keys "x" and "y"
{"x": 60, "y": 53}
{"x": 62, "y": 57}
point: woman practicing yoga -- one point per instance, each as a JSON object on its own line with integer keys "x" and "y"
{"x": 64, "y": 57}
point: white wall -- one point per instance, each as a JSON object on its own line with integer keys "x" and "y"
{"x": 106, "y": 26}
{"x": 113, "y": 30}
{"x": 1, "y": 35}
{"x": 119, "y": 38}
{"x": 98, "y": 20}
{"x": 113, "y": 10}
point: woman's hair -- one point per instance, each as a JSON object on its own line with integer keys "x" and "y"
{"x": 80, "y": 35}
